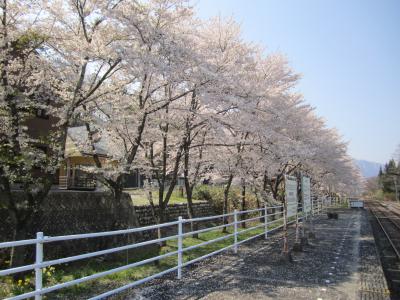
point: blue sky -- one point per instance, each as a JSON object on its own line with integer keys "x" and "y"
{"x": 348, "y": 53}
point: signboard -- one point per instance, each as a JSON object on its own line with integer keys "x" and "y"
{"x": 291, "y": 195}
{"x": 356, "y": 203}
{"x": 306, "y": 193}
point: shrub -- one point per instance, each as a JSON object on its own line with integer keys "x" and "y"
{"x": 215, "y": 196}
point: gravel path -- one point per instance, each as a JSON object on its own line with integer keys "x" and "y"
{"x": 340, "y": 263}
{"x": 373, "y": 282}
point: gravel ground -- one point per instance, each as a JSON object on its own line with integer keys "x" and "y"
{"x": 373, "y": 282}
{"x": 340, "y": 263}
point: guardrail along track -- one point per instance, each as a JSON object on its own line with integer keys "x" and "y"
{"x": 261, "y": 219}
{"x": 386, "y": 224}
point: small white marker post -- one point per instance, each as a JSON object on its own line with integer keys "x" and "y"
{"x": 303, "y": 224}
{"x": 180, "y": 247}
{"x": 265, "y": 221}
{"x": 39, "y": 260}
{"x": 312, "y": 214}
{"x": 235, "y": 231}
{"x": 297, "y": 226}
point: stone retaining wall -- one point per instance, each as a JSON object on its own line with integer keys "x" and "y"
{"x": 145, "y": 215}
{"x": 74, "y": 212}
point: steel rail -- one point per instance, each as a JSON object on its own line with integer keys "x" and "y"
{"x": 387, "y": 217}
{"x": 386, "y": 234}
{"x": 394, "y": 223}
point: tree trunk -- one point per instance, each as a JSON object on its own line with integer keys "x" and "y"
{"x": 243, "y": 216}
{"x": 285, "y": 249}
{"x": 162, "y": 218}
{"x": 188, "y": 187}
{"x": 161, "y": 214}
{"x": 258, "y": 203}
{"x": 23, "y": 218}
{"x": 193, "y": 225}
{"x": 117, "y": 189}
{"x": 18, "y": 255}
{"x": 124, "y": 215}
{"x": 225, "y": 205}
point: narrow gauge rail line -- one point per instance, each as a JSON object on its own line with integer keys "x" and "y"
{"x": 388, "y": 239}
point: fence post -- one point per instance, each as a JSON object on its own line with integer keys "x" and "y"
{"x": 235, "y": 231}
{"x": 265, "y": 221}
{"x": 180, "y": 247}
{"x": 39, "y": 260}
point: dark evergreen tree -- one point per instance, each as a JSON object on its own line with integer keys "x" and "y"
{"x": 389, "y": 177}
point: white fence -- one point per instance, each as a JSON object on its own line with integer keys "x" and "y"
{"x": 262, "y": 216}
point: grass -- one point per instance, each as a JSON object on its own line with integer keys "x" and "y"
{"x": 55, "y": 275}
{"x": 139, "y": 197}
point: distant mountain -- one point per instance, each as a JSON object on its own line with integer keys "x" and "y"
{"x": 368, "y": 168}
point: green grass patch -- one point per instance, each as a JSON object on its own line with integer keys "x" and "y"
{"x": 139, "y": 197}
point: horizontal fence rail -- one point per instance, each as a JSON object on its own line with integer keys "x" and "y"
{"x": 269, "y": 218}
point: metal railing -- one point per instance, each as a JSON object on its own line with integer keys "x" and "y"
{"x": 63, "y": 182}
{"x": 264, "y": 221}
{"x": 83, "y": 182}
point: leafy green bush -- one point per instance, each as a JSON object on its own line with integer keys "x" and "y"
{"x": 202, "y": 192}
{"x": 215, "y": 196}
{"x": 212, "y": 194}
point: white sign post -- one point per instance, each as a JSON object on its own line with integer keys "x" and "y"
{"x": 306, "y": 194}
{"x": 292, "y": 205}
{"x": 291, "y": 195}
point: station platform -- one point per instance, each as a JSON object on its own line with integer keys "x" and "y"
{"x": 341, "y": 262}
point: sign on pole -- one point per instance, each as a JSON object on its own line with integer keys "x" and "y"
{"x": 291, "y": 195}
{"x": 306, "y": 193}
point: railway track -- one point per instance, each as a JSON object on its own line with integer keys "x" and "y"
{"x": 386, "y": 225}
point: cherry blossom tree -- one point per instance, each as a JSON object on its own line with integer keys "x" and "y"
{"x": 167, "y": 93}
{"x": 47, "y": 50}
{"x": 159, "y": 68}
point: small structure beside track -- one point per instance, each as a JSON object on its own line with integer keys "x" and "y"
{"x": 356, "y": 203}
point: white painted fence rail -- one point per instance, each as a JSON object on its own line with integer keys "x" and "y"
{"x": 264, "y": 217}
